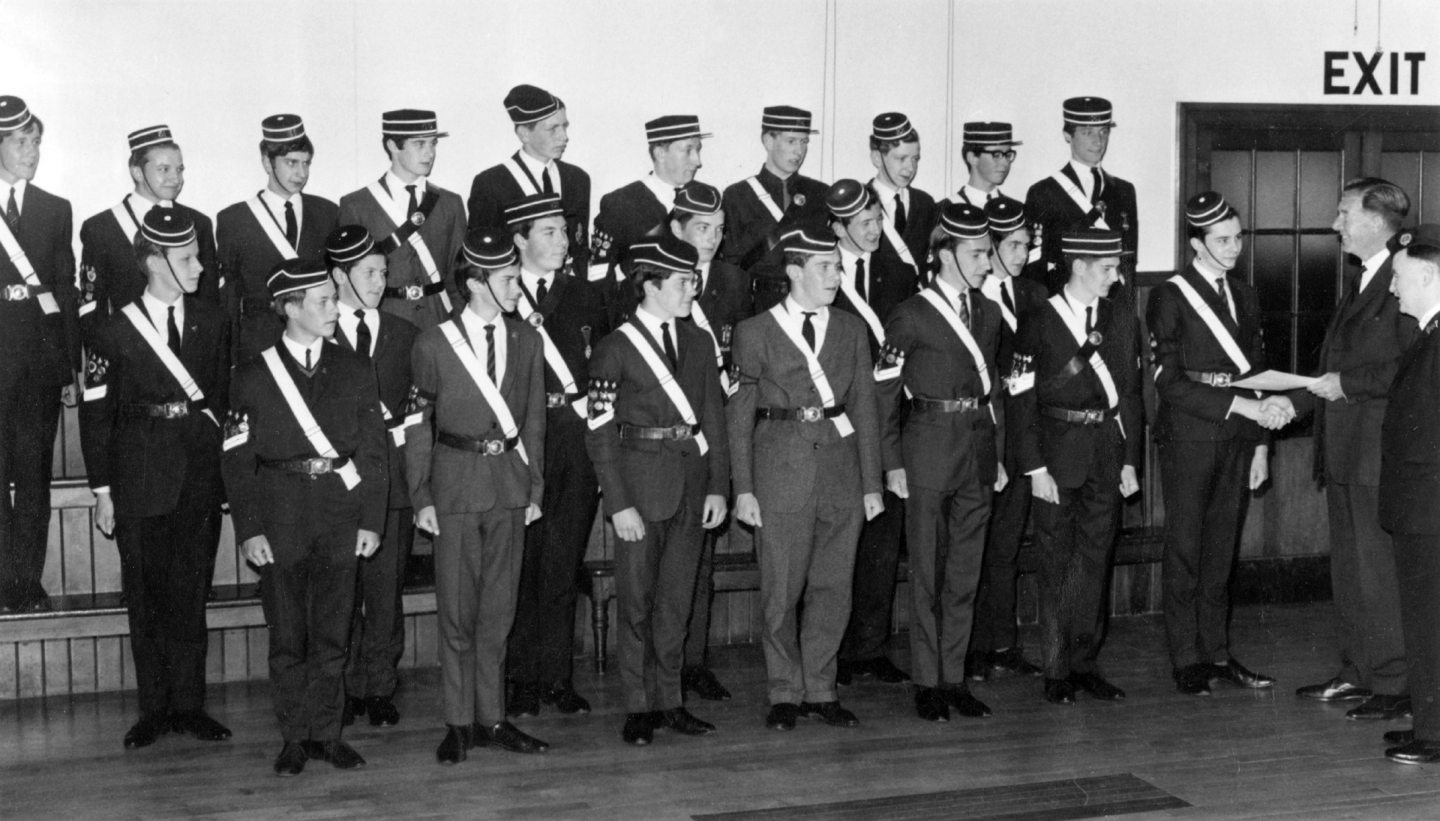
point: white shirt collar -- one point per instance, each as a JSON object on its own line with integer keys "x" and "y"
{"x": 531, "y": 279}
{"x": 652, "y": 324}
{"x": 1372, "y": 265}
{"x": 19, "y": 188}
{"x": 277, "y": 202}
{"x": 663, "y": 191}
{"x": 142, "y": 206}
{"x": 990, "y": 286}
{"x": 1429, "y": 315}
{"x": 159, "y": 312}
{"x": 350, "y": 325}
{"x": 1083, "y": 172}
{"x": 847, "y": 259}
{"x": 298, "y": 351}
{"x": 397, "y": 187}
{"x": 795, "y": 316}
{"x": 977, "y": 196}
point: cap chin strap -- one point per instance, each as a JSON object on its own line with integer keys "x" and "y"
{"x": 356, "y": 292}
{"x": 171, "y": 269}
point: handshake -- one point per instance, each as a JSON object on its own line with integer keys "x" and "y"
{"x": 1272, "y": 412}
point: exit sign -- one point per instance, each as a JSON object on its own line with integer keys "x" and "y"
{"x": 1354, "y": 72}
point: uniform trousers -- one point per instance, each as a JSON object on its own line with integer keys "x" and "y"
{"x": 945, "y": 535}
{"x": 806, "y": 557}
{"x": 477, "y": 574}
{"x": 654, "y": 587}
{"x": 995, "y": 599}
{"x": 308, "y": 594}
{"x": 872, "y": 596}
{"x": 1363, "y": 576}
{"x": 377, "y": 632}
{"x": 1417, "y": 557}
{"x": 1205, "y": 486}
{"x": 29, "y": 417}
{"x": 697, "y": 633}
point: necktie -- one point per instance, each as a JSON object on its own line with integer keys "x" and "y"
{"x": 490, "y": 351}
{"x": 12, "y": 213}
{"x": 414, "y": 206}
{"x": 808, "y": 329}
{"x": 292, "y": 230}
{"x": 1224, "y": 298}
{"x": 540, "y": 291}
{"x": 899, "y": 214}
{"x": 965, "y": 309}
{"x": 860, "y": 275}
{"x": 699, "y": 281}
{"x": 1094, "y": 184}
{"x": 172, "y": 332}
{"x": 362, "y": 335}
{"x": 669, "y": 346}
{"x": 1089, "y": 320}
{"x": 1005, "y": 297}
{"x": 546, "y": 185}
{"x": 784, "y": 195}
{"x": 308, "y": 366}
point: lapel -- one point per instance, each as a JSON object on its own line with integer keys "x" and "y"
{"x": 559, "y": 282}
{"x": 645, "y": 332}
{"x": 190, "y": 337}
{"x": 382, "y": 338}
{"x": 512, "y": 357}
{"x": 1377, "y": 291}
{"x": 1206, "y": 289}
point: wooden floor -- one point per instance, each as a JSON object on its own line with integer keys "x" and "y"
{"x": 1238, "y": 754}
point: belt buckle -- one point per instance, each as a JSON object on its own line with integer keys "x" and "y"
{"x": 811, "y": 414}
{"x": 969, "y": 403}
{"x": 317, "y": 465}
{"x": 174, "y": 410}
{"x": 414, "y": 292}
{"x": 494, "y": 447}
{"x": 1094, "y": 417}
{"x": 554, "y": 400}
{"x": 1220, "y": 380}
{"x": 680, "y": 432}
{"x": 17, "y": 293}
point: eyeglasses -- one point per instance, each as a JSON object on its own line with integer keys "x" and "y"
{"x": 997, "y": 155}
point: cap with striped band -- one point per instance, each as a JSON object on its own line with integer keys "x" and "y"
{"x": 986, "y": 134}
{"x": 962, "y": 220}
{"x": 1004, "y": 214}
{"x": 673, "y": 127}
{"x": 1091, "y": 242}
{"x": 533, "y": 207}
{"x": 530, "y": 104}
{"x": 891, "y": 126}
{"x": 14, "y": 114}
{"x": 347, "y": 244}
{"x": 695, "y": 197}
{"x": 405, "y": 123}
{"x": 1207, "y": 208}
{"x": 147, "y": 137}
{"x": 1088, "y": 111}
{"x": 296, "y": 275}
{"x": 786, "y": 118}
{"x": 168, "y": 227}
{"x": 489, "y": 248}
{"x": 846, "y": 198}
{"x": 282, "y": 128}
{"x": 806, "y": 241}
{"x": 667, "y": 252}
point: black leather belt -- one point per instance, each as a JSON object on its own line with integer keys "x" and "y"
{"x": 560, "y": 400}
{"x": 1217, "y": 379}
{"x": 18, "y": 292}
{"x": 314, "y": 466}
{"x": 251, "y": 306}
{"x": 414, "y": 292}
{"x": 812, "y": 414}
{"x": 485, "y": 447}
{"x": 674, "y": 433}
{"x": 168, "y": 410}
{"x": 920, "y": 403}
{"x": 1078, "y": 417}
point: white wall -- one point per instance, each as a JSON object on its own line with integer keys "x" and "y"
{"x": 95, "y": 70}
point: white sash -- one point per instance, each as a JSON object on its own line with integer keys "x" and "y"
{"x": 27, "y": 271}
{"x": 765, "y": 199}
{"x": 555, "y": 360}
{"x": 172, "y": 363}
{"x": 272, "y": 231}
{"x": 1061, "y": 307}
{"x": 1083, "y": 202}
{"x": 899, "y": 243}
{"x": 422, "y": 251}
{"x": 701, "y": 321}
{"x": 947, "y": 313}
{"x": 1217, "y": 328}
{"x": 127, "y": 224}
{"x": 492, "y": 396}
{"x": 847, "y": 286}
{"x": 318, "y": 440}
{"x": 527, "y": 187}
{"x": 1010, "y": 318}
{"x": 667, "y": 379}
{"x": 817, "y": 373}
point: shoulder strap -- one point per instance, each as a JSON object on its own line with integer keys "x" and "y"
{"x": 668, "y": 383}
{"x": 491, "y": 394}
{"x": 301, "y": 411}
{"x": 1088, "y": 354}
{"x": 270, "y": 227}
{"x": 817, "y": 373}
{"x": 765, "y": 199}
{"x": 12, "y": 249}
{"x": 1213, "y": 322}
{"x": 553, "y": 357}
{"x": 702, "y": 322}
{"x": 1078, "y": 197}
{"x": 947, "y": 312}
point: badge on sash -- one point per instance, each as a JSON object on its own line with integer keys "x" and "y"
{"x": 1095, "y": 338}
{"x": 535, "y": 319}
{"x": 417, "y": 219}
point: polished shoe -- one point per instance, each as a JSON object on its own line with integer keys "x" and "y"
{"x": 1193, "y": 679}
{"x": 382, "y": 711}
{"x": 930, "y": 704}
{"x": 1381, "y": 708}
{"x": 1335, "y": 689}
{"x": 146, "y": 731}
{"x": 829, "y": 712}
{"x": 702, "y": 682}
{"x": 353, "y": 707}
{"x": 1011, "y": 661}
{"x": 977, "y": 666}
{"x": 782, "y": 716}
{"x": 1235, "y": 673}
{"x": 564, "y": 698}
{"x": 1416, "y": 752}
{"x": 340, "y": 755}
{"x": 457, "y": 744}
{"x": 508, "y": 737}
{"x": 291, "y": 760}
{"x": 639, "y": 729}
{"x": 1097, "y": 686}
{"x": 681, "y": 721}
{"x": 844, "y": 673}
{"x": 1059, "y": 691}
{"x": 1401, "y": 737}
{"x": 200, "y": 725}
{"x": 962, "y": 701}
{"x": 525, "y": 701}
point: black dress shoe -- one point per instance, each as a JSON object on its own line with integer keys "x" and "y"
{"x": 829, "y": 712}
{"x": 1235, "y": 673}
{"x": 564, "y": 698}
{"x": 885, "y": 671}
{"x": 639, "y": 729}
{"x": 200, "y": 725}
{"x": 146, "y": 731}
{"x": 844, "y": 673}
{"x": 977, "y": 666}
{"x": 353, "y": 707}
{"x": 340, "y": 755}
{"x": 456, "y": 746}
{"x": 1059, "y": 691}
{"x": 782, "y": 716}
{"x": 1194, "y": 679}
{"x": 1401, "y": 737}
{"x": 930, "y": 704}
{"x": 963, "y": 702}
{"x": 382, "y": 711}
{"x": 702, "y": 682}
{"x": 1096, "y": 685}
{"x": 291, "y": 760}
{"x": 526, "y": 700}
{"x": 681, "y": 721}
{"x": 1416, "y": 752}
{"x": 508, "y": 737}
{"x": 1381, "y": 708}
{"x": 1335, "y": 689}
{"x": 1012, "y": 661}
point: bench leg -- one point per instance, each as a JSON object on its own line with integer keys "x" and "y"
{"x": 599, "y": 624}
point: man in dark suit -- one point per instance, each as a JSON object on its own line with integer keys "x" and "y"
{"x": 805, "y": 450}
{"x": 722, "y": 299}
{"x": 109, "y": 277}
{"x": 420, "y": 225}
{"x": 304, "y": 465}
{"x": 909, "y": 212}
{"x": 475, "y": 469}
{"x": 157, "y": 379}
{"x": 279, "y": 222}
{"x": 543, "y": 126}
{"x": 1410, "y": 484}
{"x": 943, "y": 457}
{"x": 1358, "y": 359}
{"x": 40, "y": 334}
{"x": 569, "y": 314}
{"x": 994, "y": 640}
{"x": 657, "y": 438}
{"x": 1076, "y": 379}
{"x": 377, "y": 633}
{"x": 763, "y": 207}
{"x": 1204, "y": 333}
{"x": 1082, "y": 194}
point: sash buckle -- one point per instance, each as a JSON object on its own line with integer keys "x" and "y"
{"x": 494, "y": 447}
{"x": 17, "y": 293}
{"x": 414, "y": 292}
{"x": 811, "y": 414}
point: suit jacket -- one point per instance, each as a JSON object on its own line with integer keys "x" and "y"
{"x": 726, "y": 299}
{"x": 260, "y": 427}
{"x": 1028, "y": 295}
{"x": 652, "y": 475}
{"x": 26, "y": 332}
{"x": 920, "y": 218}
{"x": 575, "y": 318}
{"x": 889, "y": 281}
{"x": 787, "y": 463}
{"x": 1051, "y": 212}
{"x": 495, "y": 187}
{"x": 246, "y": 256}
{"x": 446, "y": 399}
{"x": 110, "y": 278}
{"x": 146, "y": 461}
{"x": 444, "y": 234}
{"x": 1043, "y": 348}
{"x": 1363, "y": 343}
{"x": 1410, "y": 441}
{"x": 750, "y": 230}
{"x": 1180, "y": 341}
{"x": 941, "y": 451}
{"x": 393, "y": 379}
{"x": 627, "y": 215}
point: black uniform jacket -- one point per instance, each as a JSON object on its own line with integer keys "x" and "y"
{"x": 26, "y": 331}
{"x": 392, "y": 374}
{"x": 1051, "y": 211}
{"x": 495, "y": 187}
{"x": 1410, "y": 441}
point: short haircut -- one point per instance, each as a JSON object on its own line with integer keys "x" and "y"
{"x": 886, "y": 146}
{"x": 1425, "y": 253}
{"x": 291, "y": 298}
{"x": 523, "y": 228}
{"x": 1070, "y": 128}
{"x": 796, "y": 258}
{"x": 347, "y": 267}
{"x": 145, "y": 249}
{"x": 1382, "y": 198}
{"x": 1203, "y": 231}
{"x": 1069, "y": 261}
{"x": 663, "y": 145}
{"x": 386, "y": 139}
{"x": 682, "y": 217}
{"x": 973, "y": 148}
{"x": 643, "y": 272}
{"x": 465, "y": 272}
{"x": 271, "y": 150}
{"x": 138, "y": 158}
{"x": 874, "y": 203}
{"x": 35, "y": 122}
